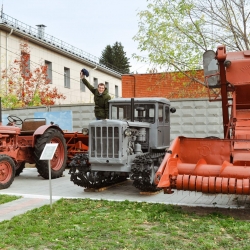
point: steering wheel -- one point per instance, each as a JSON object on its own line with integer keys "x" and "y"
{"x": 15, "y": 119}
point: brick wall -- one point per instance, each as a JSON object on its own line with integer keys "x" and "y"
{"x": 168, "y": 85}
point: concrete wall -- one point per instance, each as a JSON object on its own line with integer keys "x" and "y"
{"x": 196, "y": 118}
{"x": 193, "y": 117}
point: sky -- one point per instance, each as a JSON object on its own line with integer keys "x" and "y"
{"x": 89, "y": 25}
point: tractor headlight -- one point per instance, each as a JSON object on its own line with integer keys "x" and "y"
{"x": 85, "y": 131}
{"x": 128, "y": 132}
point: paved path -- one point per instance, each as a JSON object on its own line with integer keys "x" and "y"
{"x": 35, "y": 192}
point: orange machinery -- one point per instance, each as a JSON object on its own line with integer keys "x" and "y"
{"x": 76, "y": 143}
{"x": 213, "y": 165}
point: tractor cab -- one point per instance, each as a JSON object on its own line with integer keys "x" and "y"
{"x": 155, "y": 111}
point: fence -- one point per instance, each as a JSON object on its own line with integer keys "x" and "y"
{"x": 193, "y": 117}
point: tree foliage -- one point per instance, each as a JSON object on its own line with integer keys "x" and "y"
{"x": 115, "y": 57}
{"x": 26, "y": 86}
{"x": 176, "y": 33}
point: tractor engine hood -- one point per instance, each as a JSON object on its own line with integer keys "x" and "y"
{"x": 115, "y": 122}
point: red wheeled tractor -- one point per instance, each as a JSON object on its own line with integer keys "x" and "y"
{"x": 22, "y": 141}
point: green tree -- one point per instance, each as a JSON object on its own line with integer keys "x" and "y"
{"x": 176, "y": 33}
{"x": 115, "y": 57}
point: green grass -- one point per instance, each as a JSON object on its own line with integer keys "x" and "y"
{"x": 88, "y": 224}
{"x": 7, "y": 198}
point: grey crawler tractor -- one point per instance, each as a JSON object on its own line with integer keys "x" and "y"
{"x": 131, "y": 144}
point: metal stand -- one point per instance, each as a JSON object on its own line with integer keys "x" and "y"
{"x": 48, "y": 154}
{"x": 50, "y": 184}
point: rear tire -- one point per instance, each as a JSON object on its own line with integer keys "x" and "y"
{"x": 7, "y": 171}
{"x": 19, "y": 168}
{"x": 58, "y": 163}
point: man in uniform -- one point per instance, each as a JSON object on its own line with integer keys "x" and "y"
{"x": 101, "y": 96}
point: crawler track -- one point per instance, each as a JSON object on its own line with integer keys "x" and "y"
{"x": 143, "y": 171}
{"x": 82, "y": 175}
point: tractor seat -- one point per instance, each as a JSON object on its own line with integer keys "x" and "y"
{"x": 30, "y": 126}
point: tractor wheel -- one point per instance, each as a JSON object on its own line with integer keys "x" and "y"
{"x": 19, "y": 168}
{"x": 59, "y": 160}
{"x": 7, "y": 171}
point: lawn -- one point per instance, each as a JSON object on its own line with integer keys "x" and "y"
{"x": 7, "y": 198}
{"x": 89, "y": 224}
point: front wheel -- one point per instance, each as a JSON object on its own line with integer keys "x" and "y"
{"x": 58, "y": 162}
{"x": 7, "y": 171}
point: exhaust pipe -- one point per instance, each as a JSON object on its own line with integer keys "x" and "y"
{"x": 132, "y": 109}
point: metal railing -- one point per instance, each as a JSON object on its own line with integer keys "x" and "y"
{"x": 55, "y": 42}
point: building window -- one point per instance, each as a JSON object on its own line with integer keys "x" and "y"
{"x": 82, "y": 86}
{"x": 49, "y": 70}
{"x": 25, "y": 63}
{"x": 116, "y": 91}
{"x": 66, "y": 77}
{"x": 107, "y": 85}
{"x": 95, "y": 82}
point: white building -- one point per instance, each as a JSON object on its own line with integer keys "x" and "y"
{"x": 64, "y": 61}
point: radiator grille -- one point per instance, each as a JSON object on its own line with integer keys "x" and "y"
{"x": 105, "y": 142}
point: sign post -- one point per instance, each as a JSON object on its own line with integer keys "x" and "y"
{"x": 48, "y": 154}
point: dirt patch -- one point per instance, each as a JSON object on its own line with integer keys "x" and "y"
{"x": 239, "y": 214}
{"x": 27, "y": 165}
